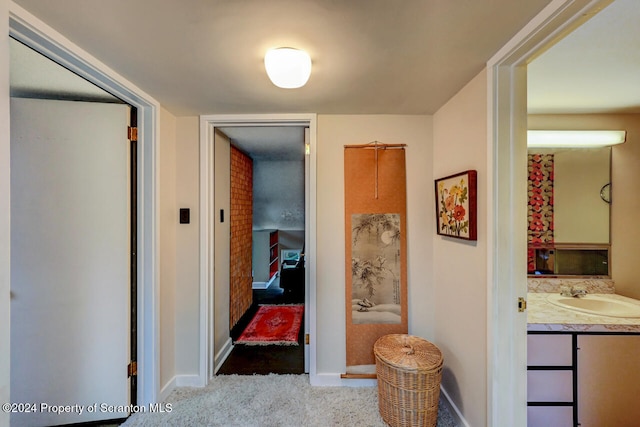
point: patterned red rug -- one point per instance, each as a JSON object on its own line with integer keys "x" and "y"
{"x": 274, "y": 325}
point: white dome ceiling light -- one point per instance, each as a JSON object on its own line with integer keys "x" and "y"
{"x": 288, "y": 68}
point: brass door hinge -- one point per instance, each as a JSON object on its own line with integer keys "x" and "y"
{"x": 306, "y": 339}
{"x": 522, "y": 305}
{"x": 132, "y": 369}
{"x": 132, "y": 134}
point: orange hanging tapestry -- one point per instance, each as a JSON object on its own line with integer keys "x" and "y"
{"x": 376, "y": 255}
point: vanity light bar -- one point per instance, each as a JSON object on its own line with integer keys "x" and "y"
{"x": 574, "y": 138}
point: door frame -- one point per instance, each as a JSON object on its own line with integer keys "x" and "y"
{"x": 506, "y": 239}
{"x": 31, "y": 31}
{"x": 209, "y": 361}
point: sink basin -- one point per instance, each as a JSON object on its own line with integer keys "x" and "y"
{"x": 601, "y": 304}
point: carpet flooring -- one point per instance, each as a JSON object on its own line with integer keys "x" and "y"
{"x": 271, "y": 401}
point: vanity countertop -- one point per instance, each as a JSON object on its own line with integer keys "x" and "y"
{"x": 544, "y": 316}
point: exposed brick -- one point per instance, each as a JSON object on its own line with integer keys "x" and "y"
{"x": 241, "y": 293}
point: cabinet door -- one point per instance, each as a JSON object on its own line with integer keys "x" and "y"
{"x": 608, "y": 380}
{"x": 550, "y": 416}
{"x": 549, "y": 350}
{"x": 550, "y": 386}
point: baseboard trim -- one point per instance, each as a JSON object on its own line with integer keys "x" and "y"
{"x": 334, "y": 380}
{"x": 222, "y": 355}
{"x": 188, "y": 381}
{"x": 167, "y": 389}
{"x": 453, "y": 409}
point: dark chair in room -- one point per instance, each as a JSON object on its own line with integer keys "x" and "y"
{"x": 292, "y": 277}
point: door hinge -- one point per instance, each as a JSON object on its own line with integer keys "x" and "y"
{"x": 132, "y": 369}
{"x": 522, "y": 304}
{"x": 306, "y": 339}
{"x": 132, "y": 133}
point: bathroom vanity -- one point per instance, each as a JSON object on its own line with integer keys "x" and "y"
{"x": 582, "y": 368}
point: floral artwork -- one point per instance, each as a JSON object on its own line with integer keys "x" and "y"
{"x": 375, "y": 268}
{"x": 456, "y": 205}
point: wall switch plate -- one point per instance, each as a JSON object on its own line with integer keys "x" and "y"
{"x": 184, "y": 216}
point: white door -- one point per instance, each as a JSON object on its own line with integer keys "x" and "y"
{"x": 69, "y": 261}
{"x": 222, "y": 238}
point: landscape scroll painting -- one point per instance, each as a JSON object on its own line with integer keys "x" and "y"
{"x": 375, "y": 251}
{"x": 375, "y": 268}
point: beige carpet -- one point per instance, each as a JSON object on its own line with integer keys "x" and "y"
{"x": 271, "y": 400}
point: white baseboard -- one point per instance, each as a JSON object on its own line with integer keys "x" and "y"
{"x": 167, "y": 389}
{"x": 188, "y": 381}
{"x": 222, "y": 355}
{"x": 334, "y": 380}
{"x": 264, "y": 285}
{"x": 453, "y": 409}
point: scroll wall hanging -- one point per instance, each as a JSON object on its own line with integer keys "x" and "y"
{"x": 376, "y": 250}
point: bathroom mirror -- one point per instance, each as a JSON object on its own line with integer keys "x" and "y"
{"x": 567, "y": 212}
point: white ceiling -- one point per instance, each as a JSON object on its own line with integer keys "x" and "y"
{"x": 369, "y": 56}
{"x": 595, "y": 69}
{"x": 283, "y": 143}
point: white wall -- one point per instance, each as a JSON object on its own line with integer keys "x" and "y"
{"x": 460, "y": 267}
{"x": 278, "y": 194}
{"x": 625, "y": 177}
{"x": 187, "y": 247}
{"x": 168, "y": 216}
{"x": 5, "y": 260}
{"x": 334, "y": 131}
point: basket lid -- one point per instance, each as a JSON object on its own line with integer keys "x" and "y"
{"x": 408, "y": 352}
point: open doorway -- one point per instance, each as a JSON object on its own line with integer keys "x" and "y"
{"x": 507, "y": 79}
{"x": 266, "y": 226}
{"x": 29, "y": 31}
{"x": 216, "y": 348}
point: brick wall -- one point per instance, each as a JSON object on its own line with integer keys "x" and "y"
{"x": 241, "y": 294}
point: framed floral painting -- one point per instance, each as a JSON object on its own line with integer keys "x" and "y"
{"x": 456, "y": 205}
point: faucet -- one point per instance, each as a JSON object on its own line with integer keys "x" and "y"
{"x": 576, "y": 291}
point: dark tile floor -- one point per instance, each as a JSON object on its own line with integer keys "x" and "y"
{"x": 262, "y": 360}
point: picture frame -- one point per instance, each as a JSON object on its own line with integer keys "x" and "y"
{"x": 290, "y": 255}
{"x": 456, "y": 205}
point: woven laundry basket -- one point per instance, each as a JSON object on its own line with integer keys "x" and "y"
{"x": 409, "y": 371}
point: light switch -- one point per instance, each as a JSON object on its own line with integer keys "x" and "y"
{"x": 184, "y": 216}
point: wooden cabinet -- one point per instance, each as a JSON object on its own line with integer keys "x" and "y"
{"x": 266, "y": 250}
{"x": 583, "y": 379}
{"x": 608, "y": 380}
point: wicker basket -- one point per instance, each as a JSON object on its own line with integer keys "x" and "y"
{"x": 409, "y": 371}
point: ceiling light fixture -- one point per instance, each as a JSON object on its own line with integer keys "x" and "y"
{"x": 288, "y": 68}
{"x": 574, "y": 138}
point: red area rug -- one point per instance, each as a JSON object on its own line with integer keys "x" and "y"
{"x": 273, "y": 325}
